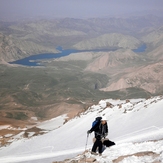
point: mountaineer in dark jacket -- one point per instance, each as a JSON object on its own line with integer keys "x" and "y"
{"x": 101, "y": 131}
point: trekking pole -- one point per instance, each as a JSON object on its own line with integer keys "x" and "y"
{"x": 86, "y": 142}
{"x": 86, "y": 146}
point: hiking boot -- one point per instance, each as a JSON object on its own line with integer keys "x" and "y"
{"x": 94, "y": 153}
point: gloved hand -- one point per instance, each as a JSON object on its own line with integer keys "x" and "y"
{"x": 88, "y": 132}
{"x": 102, "y": 140}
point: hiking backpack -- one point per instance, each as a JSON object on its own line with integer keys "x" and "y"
{"x": 97, "y": 120}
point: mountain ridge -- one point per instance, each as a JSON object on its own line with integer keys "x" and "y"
{"x": 41, "y": 36}
{"x": 127, "y": 128}
{"x": 113, "y": 40}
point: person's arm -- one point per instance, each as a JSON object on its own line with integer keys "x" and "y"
{"x": 93, "y": 128}
{"x": 106, "y": 128}
{"x": 106, "y": 132}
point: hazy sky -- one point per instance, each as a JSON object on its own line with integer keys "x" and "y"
{"x": 14, "y": 9}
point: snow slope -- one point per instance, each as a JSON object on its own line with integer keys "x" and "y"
{"x": 133, "y": 125}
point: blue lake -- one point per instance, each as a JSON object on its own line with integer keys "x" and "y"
{"x": 34, "y": 59}
{"x": 140, "y": 49}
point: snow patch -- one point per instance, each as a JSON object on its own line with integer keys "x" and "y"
{"x": 53, "y": 123}
{"x": 135, "y": 126}
{"x": 4, "y": 127}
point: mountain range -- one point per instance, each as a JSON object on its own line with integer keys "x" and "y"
{"x": 106, "y": 65}
{"x": 42, "y": 36}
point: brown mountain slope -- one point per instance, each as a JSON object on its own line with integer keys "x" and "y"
{"x": 12, "y": 48}
{"x": 8, "y": 49}
{"x": 113, "y": 62}
{"x": 154, "y": 38}
{"x": 157, "y": 53}
{"x": 111, "y": 40}
{"x": 147, "y": 77}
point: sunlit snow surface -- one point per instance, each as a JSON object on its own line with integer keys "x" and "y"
{"x": 133, "y": 125}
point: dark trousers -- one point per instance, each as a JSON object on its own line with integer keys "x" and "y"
{"x": 97, "y": 143}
